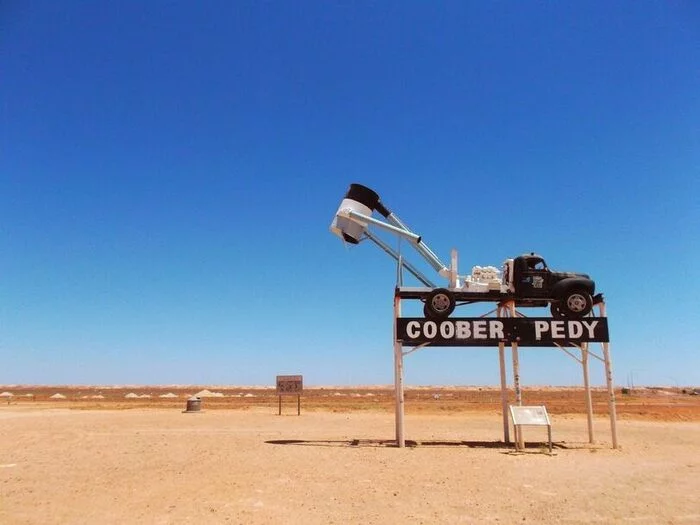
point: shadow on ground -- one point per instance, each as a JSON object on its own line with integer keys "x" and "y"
{"x": 411, "y": 444}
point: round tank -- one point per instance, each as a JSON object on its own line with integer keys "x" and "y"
{"x": 194, "y": 404}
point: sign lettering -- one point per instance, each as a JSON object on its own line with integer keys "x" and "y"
{"x": 490, "y": 332}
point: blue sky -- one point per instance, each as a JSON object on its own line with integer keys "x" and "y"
{"x": 169, "y": 170}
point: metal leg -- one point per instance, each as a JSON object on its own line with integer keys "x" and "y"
{"x": 398, "y": 379}
{"x": 611, "y": 394}
{"x": 612, "y": 409}
{"x": 587, "y": 389}
{"x": 504, "y": 392}
{"x": 518, "y": 391}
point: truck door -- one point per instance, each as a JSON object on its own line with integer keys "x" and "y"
{"x": 534, "y": 279}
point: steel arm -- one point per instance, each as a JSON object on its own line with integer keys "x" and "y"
{"x": 393, "y": 253}
{"x": 363, "y": 220}
{"x": 421, "y": 248}
{"x": 398, "y": 228}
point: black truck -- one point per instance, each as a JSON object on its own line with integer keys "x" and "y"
{"x": 526, "y": 280}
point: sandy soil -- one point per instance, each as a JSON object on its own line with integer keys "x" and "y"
{"x": 337, "y": 465}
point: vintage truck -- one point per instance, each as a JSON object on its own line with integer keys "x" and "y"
{"x": 525, "y": 280}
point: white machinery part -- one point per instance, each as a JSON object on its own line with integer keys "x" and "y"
{"x": 483, "y": 279}
{"x": 343, "y": 225}
{"x": 472, "y": 286}
{"x": 354, "y": 217}
{"x": 485, "y": 274}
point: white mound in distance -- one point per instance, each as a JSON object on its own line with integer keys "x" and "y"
{"x": 207, "y": 393}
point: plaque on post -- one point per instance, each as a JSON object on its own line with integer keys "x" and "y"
{"x": 530, "y": 416}
{"x": 290, "y": 386}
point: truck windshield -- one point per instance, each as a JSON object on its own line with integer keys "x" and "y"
{"x": 537, "y": 264}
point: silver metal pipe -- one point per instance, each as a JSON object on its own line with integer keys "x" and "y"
{"x": 393, "y": 253}
{"x": 419, "y": 245}
{"x": 361, "y": 218}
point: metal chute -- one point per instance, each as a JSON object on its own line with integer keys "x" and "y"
{"x": 354, "y": 217}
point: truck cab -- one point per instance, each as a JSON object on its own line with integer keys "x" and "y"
{"x": 532, "y": 283}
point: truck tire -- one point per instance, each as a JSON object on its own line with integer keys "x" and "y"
{"x": 439, "y": 303}
{"x": 576, "y": 302}
{"x": 556, "y": 311}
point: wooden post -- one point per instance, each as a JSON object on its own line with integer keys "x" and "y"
{"x": 298, "y": 405}
{"x": 279, "y": 412}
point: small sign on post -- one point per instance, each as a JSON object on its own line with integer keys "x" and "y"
{"x": 530, "y": 416}
{"x": 290, "y": 386}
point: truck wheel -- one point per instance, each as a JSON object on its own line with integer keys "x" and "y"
{"x": 576, "y": 303}
{"x": 556, "y": 310}
{"x": 439, "y": 303}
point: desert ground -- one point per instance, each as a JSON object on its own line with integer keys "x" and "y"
{"x": 98, "y": 456}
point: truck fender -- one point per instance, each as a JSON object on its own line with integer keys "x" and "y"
{"x": 563, "y": 286}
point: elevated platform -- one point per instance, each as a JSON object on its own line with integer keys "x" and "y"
{"x": 419, "y": 292}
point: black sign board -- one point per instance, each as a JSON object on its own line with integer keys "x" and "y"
{"x": 481, "y": 331}
{"x": 289, "y": 385}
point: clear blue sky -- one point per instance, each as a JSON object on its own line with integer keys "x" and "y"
{"x": 169, "y": 170}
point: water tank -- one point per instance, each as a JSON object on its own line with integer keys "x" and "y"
{"x": 194, "y": 404}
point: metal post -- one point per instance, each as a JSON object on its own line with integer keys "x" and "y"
{"x": 518, "y": 392}
{"x": 504, "y": 391}
{"x": 399, "y": 272}
{"x": 453, "y": 268}
{"x": 587, "y": 389}
{"x": 611, "y": 393}
{"x": 397, "y": 257}
{"x": 516, "y": 375}
{"x": 279, "y": 412}
{"x": 298, "y": 405}
{"x": 398, "y": 377}
{"x": 420, "y": 246}
{"x": 609, "y": 381}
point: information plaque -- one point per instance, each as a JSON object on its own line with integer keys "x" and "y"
{"x": 534, "y": 415}
{"x": 530, "y": 416}
{"x": 290, "y": 386}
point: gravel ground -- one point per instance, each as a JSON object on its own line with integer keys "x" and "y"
{"x": 155, "y": 466}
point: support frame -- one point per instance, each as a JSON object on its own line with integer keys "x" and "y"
{"x": 507, "y": 309}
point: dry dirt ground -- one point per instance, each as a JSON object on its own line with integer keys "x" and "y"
{"x": 84, "y": 460}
